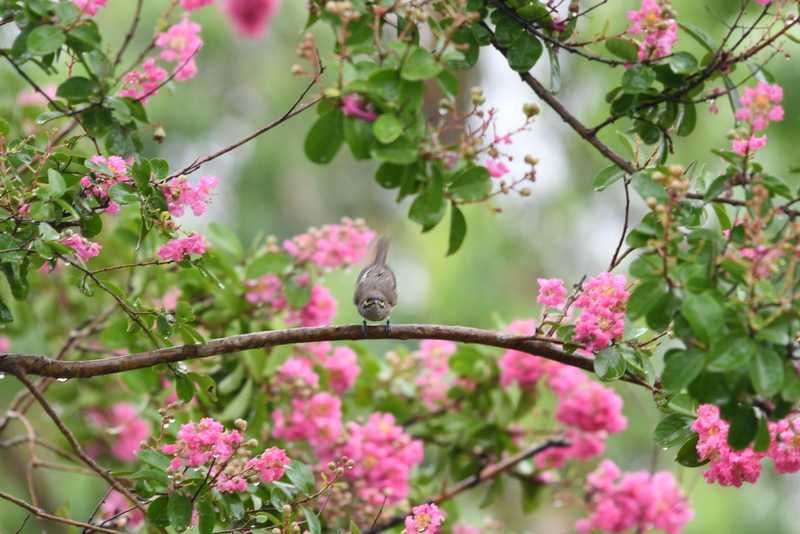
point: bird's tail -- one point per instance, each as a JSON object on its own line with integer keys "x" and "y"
{"x": 381, "y": 251}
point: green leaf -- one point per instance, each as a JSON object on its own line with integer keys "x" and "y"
{"x": 312, "y": 521}
{"x": 610, "y": 175}
{"x": 458, "y": 230}
{"x": 271, "y": 263}
{"x": 184, "y": 387}
{"x": 762, "y": 439}
{"x": 638, "y": 79}
{"x": 325, "y": 137}
{"x": 45, "y": 40}
{"x": 429, "y": 207}
{"x": 301, "y": 476}
{"x": 402, "y": 151}
{"x": 680, "y": 368}
{"x": 157, "y": 512}
{"x": 56, "y": 183}
{"x": 744, "y": 426}
{"x": 705, "y": 314}
{"x": 76, "y": 89}
{"x": 682, "y": 62}
{"x": 687, "y": 455}
{"x": 206, "y": 516}
{"x": 523, "y": 53}
{"x": 623, "y": 49}
{"x": 123, "y": 193}
{"x": 766, "y": 371}
{"x": 387, "y": 128}
{"x": 5, "y": 128}
{"x": 645, "y": 297}
{"x": 673, "y": 429}
{"x": 644, "y": 185}
{"x": 239, "y": 405}
{"x": 609, "y": 364}
{"x": 179, "y": 511}
{"x": 5, "y": 314}
{"x": 699, "y": 35}
{"x": 358, "y": 135}
{"x": 297, "y": 295}
{"x": 154, "y": 458}
{"x": 688, "y": 119}
{"x": 419, "y": 65}
{"x": 732, "y": 353}
{"x": 471, "y": 183}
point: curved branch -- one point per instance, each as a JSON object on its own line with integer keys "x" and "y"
{"x": 41, "y": 514}
{"x": 33, "y": 364}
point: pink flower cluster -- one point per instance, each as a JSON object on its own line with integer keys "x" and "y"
{"x": 588, "y": 405}
{"x": 251, "y": 17}
{"x": 297, "y": 369}
{"x": 178, "y": 45}
{"x": 5, "y": 344}
{"x": 384, "y": 455}
{"x": 727, "y": 467}
{"x": 89, "y": 7}
{"x": 198, "y": 443}
{"x": 762, "y": 259}
{"x": 122, "y": 421}
{"x": 341, "y": 367}
{"x": 106, "y": 172}
{"x": 118, "y": 506}
{"x": 180, "y": 194}
{"x": 520, "y": 367}
{"x": 83, "y": 248}
{"x": 434, "y": 380}
{"x": 552, "y": 292}
{"x": 760, "y": 105}
{"x": 658, "y": 29}
{"x": 177, "y": 249}
{"x": 637, "y": 501}
{"x": 496, "y": 167}
{"x": 462, "y": 528}
{"x": 603, "y": 302}
{"x": 268, "y": 467}
{"x": 319, "y": 310}
{"x": 784, "y": 448}
{"x": 267, "y": 290}
{"x": 191, "y": 5}
{"x": 317, "y": 420}
{"x": 333, "y": 245}
{"x": 353, "y": 105}
{"x": 144, "y": 83}
{"x": 583, "y": 446}
{"x": 424, "y": 519}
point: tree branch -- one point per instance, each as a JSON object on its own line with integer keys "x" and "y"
{"x": 38, "y": 512}
{"x": 485, "y": 474}
{"x": 34, "y": 364}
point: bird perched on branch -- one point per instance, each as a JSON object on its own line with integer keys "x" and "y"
{"x": 376, "y": 288}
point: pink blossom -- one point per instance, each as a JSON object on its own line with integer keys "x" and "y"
{"x": 341, "y": 368}
{"x": 267, "y": 290}
{"x": 83, "y": 248}
{"x": 591, "y": 407}
{"x": 123, "y": 422}
{"x": 551, "y": 292}
{"x": 142, "y": 84}
{"x": 760, "y": 105}
{"x": 118, "y": 506}
{"x": 746, "y": 147}
{"x": 317, "y": 420}
{"x": 297, "y": 369}
{"x": 178, "y": 45}
{"x": 434, "y": 379}
{"x": 34, "y": 99}
{"x": 784, "y": 448}
{"x": 89, "y": 7}
{"x": 191, "y": 5}
{"x": 170, "y": 299}
{"x": 762, "y": 258}
{"x": 319, "y": 310}
{"x": 602, "y": 320}
{"x": 639, "y": 501}
{"x": 521, "y": 367}
{"x": 180, "y": 194}
{"x": 384, "y": 455}
{"x": 251, "y": 17}
{"x": 727, "y": 467}
{"x": 463, "y": 528}
{"x": 658, "y": 29}
{"x": 198, "y": 443}
{"x": 5, "y": 344}
{"x": 177, "y": 249}
{"x": 583, "y": 446}
{"x": 270, "y": 465}
{"x": 563, "y": 379}
{"x": 424, "y": 519}
{"x": 763, "y": 2}
{"x": 496, "y": 168}
{"x": 355, "y": 106}
{"x": 106, "y": 172}
{"x": 332, "y": 246}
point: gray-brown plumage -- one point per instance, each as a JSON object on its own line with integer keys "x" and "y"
{"x": 376, "y": 287}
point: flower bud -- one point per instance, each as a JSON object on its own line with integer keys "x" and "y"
{"x": 530, "y": 109}
{"x": 332, "y": 92}
{"x": 159, "y": 134}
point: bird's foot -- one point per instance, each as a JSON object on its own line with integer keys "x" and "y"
{"x": 387, "y": 328}
{"x": 364, "y": 328}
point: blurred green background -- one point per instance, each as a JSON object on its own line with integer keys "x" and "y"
{"x": 564, "y": 230}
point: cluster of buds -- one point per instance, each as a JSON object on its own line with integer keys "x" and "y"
{"x": 307, "y": 50}
{"x": 342, "y": 9}
{"x": 674, "y": 181}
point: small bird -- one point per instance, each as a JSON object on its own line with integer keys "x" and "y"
{"x": 376, "y": 288}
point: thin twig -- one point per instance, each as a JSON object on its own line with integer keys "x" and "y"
{"x": 131, "y": 32}
{"x": 38, "y": 512}
{"x": 615, "y": 258}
